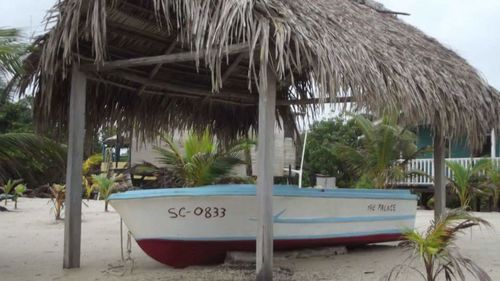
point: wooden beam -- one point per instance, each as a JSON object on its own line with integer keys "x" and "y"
{"x": 162, "y": 59}
{"x": 314, "y": 101}
{"x": 212, "y": 98}
{"x": 157, "y": 67}
{"x": 439, "y": 174}
{"x": 182, "y": 89}
{"x": 73, "y": 201}
{"x": 233, "y": 67}
{"x": 189, "y": 92}
{"x": 265, "y": 159}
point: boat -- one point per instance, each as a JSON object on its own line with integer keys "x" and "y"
{"x": 181, "y": 227}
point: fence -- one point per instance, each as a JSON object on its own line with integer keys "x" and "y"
{"x": 426, "y": 166}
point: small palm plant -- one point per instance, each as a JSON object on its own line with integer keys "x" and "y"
{"x": 438, "y": 252}
{"x": 19, "y": 191}
{"x": 9, "y": 190}
{"x": 203, "y": 161}
{"x": 58, "y": 192}
{"x": 106, "y": 186}
{"x": 464, "y": 180}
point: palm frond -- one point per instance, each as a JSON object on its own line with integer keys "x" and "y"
{"x": 202, "y": 161}
{"x": 436, "y": 249}
{"x": 35, "y": 159}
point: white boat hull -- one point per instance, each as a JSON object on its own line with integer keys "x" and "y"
{"x": 172, "y": 225}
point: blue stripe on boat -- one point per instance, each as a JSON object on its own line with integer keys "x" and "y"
{"x": 343, "y": 219}
{"x": 278, "y": 190}
{"x": 288, "y": 237}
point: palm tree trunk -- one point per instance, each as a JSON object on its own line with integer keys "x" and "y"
{"x": 429, "y": 270}
{"x": 105, "y": 205}
{"x": 248, "y": 160}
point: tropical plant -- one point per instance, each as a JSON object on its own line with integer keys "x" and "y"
{"x": 16, "y": 117}
{"x": 9, "y": 189}
{"x": 319, "y": 157}
{"x": 89, "y": 187}
{"x": 58, "y": 192}
{"x": 19, "y": 192}
{"x": 106, "y": 186}
{"x": 11, "y": 51}
{"x": 92, "y": 164}
{"x": 203, "y": 161}
{"x": 438, "y": 252}
{"x": 382, "y": 152}
{"x": 491, "y": 185}
{"x": 465, "y": 180}
{"x": 35, "y": 159}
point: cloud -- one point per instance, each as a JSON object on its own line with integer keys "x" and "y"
{"x": 27, "y": 15}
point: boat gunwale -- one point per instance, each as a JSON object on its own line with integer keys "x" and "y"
{"x": 250, "y": 190}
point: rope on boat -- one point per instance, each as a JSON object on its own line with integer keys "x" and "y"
{"x": 127, "y": 263}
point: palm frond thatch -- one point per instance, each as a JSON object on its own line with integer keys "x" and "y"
{"x": 320, "y": 50}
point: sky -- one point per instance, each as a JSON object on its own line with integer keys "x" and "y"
{"x": 465, "y": 26}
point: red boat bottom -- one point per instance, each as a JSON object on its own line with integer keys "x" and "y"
{"x": 180, "y": 254}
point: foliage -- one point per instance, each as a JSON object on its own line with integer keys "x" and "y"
{"x": 465, "y": 181}
{"x": 15, "y": 188}
{"x": 319, "y": 157}
{"x": 58, "y": 193}
{"x": 492, "y": 186}
{"x": 16, "y": 117}
{"x": 35, "y": 159}
{"x": 92, "y": 164}
{"x": 106, "y": 186}
{"x": 88, "y": 186}
{"x": 202, "y": 162}
{"x": 375, "y": 157}
{"x": 436, "y": 249}
{"x": 19, "y": 192}
{"x": 11, "y": 51}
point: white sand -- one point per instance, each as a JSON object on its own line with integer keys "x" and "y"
{"x": 31, "y": 245}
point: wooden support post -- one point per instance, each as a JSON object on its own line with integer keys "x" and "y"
{"x": 493, "y": 144}
{"x": 265, "y": 157}
{"x": 439, "y": 175}
{"x": 73, "y": 203}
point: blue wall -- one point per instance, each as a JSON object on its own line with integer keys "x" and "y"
{"x": 459, "y": 147}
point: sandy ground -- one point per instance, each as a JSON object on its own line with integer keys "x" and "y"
{"x": 31, "y": 246}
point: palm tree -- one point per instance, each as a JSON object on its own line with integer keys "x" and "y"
{"x": 436, "y": 249}
{"x": 465, "y": 181}
{"x": 11, "y": 51}
{"x": 202, "y": 162}
{"x": 376, "y": 160}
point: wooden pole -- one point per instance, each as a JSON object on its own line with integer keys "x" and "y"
{"x": 439, "y": 175}
{"x": 493, "y": 144}
{"x": 73, "y": 202}
{"x": 265, "y": 172}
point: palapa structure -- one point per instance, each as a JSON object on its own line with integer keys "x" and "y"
{"x": 152, "y": 65}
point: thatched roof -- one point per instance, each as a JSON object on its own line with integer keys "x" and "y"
{"x": 320, "y": 50}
